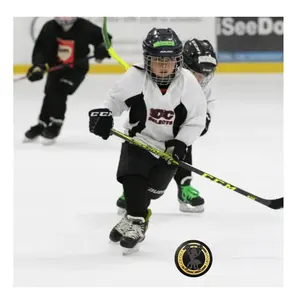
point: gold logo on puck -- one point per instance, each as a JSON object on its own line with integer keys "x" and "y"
{"x": 193, "y": 258}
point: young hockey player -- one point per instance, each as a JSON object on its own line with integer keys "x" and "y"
{"x": 63, "y": 40}
{"x": 200, "y": 58}
{"x": 167, "y": 110}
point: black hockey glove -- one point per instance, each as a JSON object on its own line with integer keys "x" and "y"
{"x": 177, "y": 149}
{"x": 101, "y": 122}
{"x": 100, "y": 53}
{"x": 36, "y": 72}
{"x": 206, "y": 125}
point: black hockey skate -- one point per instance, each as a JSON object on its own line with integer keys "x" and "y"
{"x": 130, "y": 231}
{"x": 189, "y": 198}
{"x": 135, "y": 234}
{"x": 51, "y": 131}
{"x": 34, "y": 132}
{"x": 119, "y": 230}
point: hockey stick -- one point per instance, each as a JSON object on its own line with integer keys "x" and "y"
{"x": 274, "y": 204}
{"x": 109, "y": 48}
{"x": 58, "y": 67}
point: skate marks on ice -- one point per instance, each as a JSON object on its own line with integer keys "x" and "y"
{"x": 246, "y": 248}
{"x": 83, "y": 255}
{"x": 64, "y": 143}
{"x": 70, "y": 245}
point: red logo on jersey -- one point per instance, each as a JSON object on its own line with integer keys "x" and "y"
{"x": 161, "y": 116}
{"x": 65, "y": 52}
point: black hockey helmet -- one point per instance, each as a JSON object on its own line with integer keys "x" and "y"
{"x": 199, "y": 57}
{"x": 162, "y": 46}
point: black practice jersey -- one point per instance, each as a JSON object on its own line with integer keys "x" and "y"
{"x": 56, "y": 46}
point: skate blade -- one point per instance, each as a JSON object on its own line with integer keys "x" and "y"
{"x": 121, "y": 211}
{"x": 187, "y": 208}
{"x": 128, "y": 251}
{"x": 48, "y": 142}
{"x": 113, "y": 243}
{"x": 26, "y": 140}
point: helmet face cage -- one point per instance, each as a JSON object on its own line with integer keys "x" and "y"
{"x": 206, "y": 79}
{"x": 163, "y": 70}
{"x": 65, "y": 21}
{"x": 207, "y": 75}
{"x": 163, "y": 58}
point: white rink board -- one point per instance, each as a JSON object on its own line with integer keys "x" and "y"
{"x": 128, "y": 33}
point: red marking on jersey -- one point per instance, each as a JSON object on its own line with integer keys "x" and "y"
{"x": 163, "y": 90}
{"x": 65, "y": 51}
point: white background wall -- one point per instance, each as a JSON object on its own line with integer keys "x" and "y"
{"x": 128, "y": 33}
{"x": 22, "y": 42}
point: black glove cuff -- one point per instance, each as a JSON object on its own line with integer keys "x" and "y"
{"x": 175, "y": 143}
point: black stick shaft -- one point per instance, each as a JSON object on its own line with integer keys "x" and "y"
{"x": 59, "y": 67}
{"x": 63, "y": 66}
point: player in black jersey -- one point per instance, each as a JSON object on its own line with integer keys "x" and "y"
{"x": 62, "y": 40}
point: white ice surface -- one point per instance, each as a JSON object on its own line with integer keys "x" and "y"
{"x": 65, "y": 194}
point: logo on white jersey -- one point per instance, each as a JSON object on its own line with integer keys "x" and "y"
{"x": 161, "y": 116}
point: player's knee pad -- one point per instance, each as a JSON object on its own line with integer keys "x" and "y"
{"x": 154, "y": 194}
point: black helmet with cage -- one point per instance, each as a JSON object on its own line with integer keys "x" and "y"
{"x": 199, "y": 57}
{"x": 162, "y": 50}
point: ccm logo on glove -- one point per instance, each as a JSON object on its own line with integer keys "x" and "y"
{"x": 101, "y": 122}
{"x": 101, "y": 113}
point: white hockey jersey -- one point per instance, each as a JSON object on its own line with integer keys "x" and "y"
{"x": 210, "y": 99}
{"x": 155, "y": 117}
